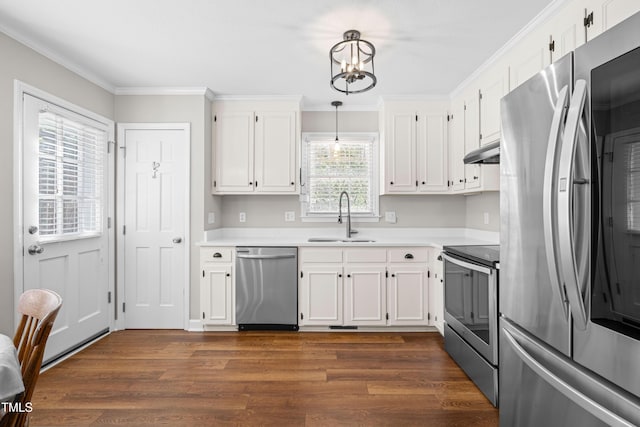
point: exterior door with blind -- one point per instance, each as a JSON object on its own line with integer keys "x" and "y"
{"x": 155, "y": 187}
{"x": 65, "y": 209}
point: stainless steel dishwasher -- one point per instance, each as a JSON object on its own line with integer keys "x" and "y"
{"x": 267, "y": 288}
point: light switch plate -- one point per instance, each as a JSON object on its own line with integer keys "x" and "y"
{"x": 242, "y": 217}
{"x": 390, "y": 217}
{"x": 486, "y": 218}
{"x": 211, "y": 218}
{"x": 290, "y": 216}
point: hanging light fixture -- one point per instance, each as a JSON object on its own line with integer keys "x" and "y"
{"x": 352, "y": 69}
{"x": 336, "y": 145}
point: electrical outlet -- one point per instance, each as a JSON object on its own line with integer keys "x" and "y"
{"x": 289, "y": 216}
{"x": 390, "y": 217}
{"x": 486, "y": 218}
{"x": 211, "y": 218}
{"x": 242, "y": 217}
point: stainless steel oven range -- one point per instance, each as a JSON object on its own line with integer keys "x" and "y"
{"x": 471, "y": 312}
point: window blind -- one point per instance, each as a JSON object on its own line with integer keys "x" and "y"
{"x": 70, "y": 177}
{"x": 331, "y": 171}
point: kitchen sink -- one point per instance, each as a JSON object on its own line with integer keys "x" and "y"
{"x": 337, "y": 240}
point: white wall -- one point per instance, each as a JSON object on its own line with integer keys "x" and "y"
{"x": 479, "y": 204}
{"x": 194, "y": 109}
{"x": 22, "y": 63}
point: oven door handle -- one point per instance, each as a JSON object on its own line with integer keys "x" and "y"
{"x": 550, "y": 197}
{"x": 565, "y": 196}
{"x": 465, "y": 264}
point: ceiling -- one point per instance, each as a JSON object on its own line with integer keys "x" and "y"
{"x": 268, "y": 47}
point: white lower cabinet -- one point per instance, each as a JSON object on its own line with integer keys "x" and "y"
{"x": 436, "y": 291}
{"x": 365, "y": 295}
{"x": 320, "y": 295}
{"x": 217, "y": 286}
{"x": 365, "y": 287}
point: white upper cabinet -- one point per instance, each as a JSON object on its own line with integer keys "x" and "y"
{"x": 471, "y": 138}
{"x": 414, "y": 158}
{"x": 531, "y": 55}
{"x": 456, "y": 145}
{"x": 606, "y": 14}
{"x": 255, "y": 147}
{"x": 493, "y": 86}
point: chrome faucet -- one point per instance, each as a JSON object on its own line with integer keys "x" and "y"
{"x": 349, "y": 230}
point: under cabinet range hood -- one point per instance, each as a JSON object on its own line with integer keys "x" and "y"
{"x": 487, "y": 154}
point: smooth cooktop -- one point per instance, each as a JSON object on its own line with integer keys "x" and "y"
{"x": 480, "y": 254}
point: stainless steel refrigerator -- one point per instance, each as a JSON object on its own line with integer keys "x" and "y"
{"x": 569, "y": 296}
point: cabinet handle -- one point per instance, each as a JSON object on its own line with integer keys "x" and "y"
{"x": 348, "y": 275}
{"x": 217, "y": 255}
{"x": 391, "y": 183}
{"x": 408, "y": 256}
{"x": 475, "y": 177}
{"x": 228, "y": 274}
{"x": 393, "y": 275}
{"x": 251, "y": 183}
{"x": 423, "y": 182}
{"x": 293, "y": 183}
{"x": 461, "y": 180}
{"x": 339, "y": 275}
{"x": 417, "y": 182}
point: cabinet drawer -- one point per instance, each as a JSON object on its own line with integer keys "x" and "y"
{"x": 320, "y": 255}
{"x": 216, "y": 254}
{"x": 373, "y": 255}
{"x": 413, "y": 255}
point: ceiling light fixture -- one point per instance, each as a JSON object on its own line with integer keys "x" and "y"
{"x": 353, "y": 59}
{"x": 336, "y": 146}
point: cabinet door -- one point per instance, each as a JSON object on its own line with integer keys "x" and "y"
{"x": 531, "y": 56}
{"x": 471, "y": 139}
{"x": 321, "y": 295}
{"x": 456, "y": 146}
{"x": 233, "y": 152}
{"x": 216, "y": 294}
{"x": 491, "y": 92}
{"x": 408, "y": 295}
{"x": 607, "y": 13}
{"x": 432, "y": 152}
{"x": 365, "y": 295}
{"x": 566, "y": 29}
{"x": 436, "y": 292}
{"x": 400, "y": 152}
{"x": 275, "y": 152}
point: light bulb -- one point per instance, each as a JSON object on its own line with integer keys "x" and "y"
{"x": 343, "y": 65}
{"x": 336, "y": 146}
{"x": 361, "y": 66}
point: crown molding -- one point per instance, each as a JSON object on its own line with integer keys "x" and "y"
{"x": 538, "y": 20}
{"x": 160, "y": 90}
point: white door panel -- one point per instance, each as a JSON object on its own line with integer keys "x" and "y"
{"x": 155, "y": 219}
{"x": 67, "y": 231}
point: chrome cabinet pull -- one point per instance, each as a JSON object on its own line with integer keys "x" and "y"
{"x": 35, "y": 249}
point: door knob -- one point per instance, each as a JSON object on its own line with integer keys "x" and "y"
{"x": 35, "y": 249}
{"x": 177, "y": 240}
{"x": 33, "y": 229}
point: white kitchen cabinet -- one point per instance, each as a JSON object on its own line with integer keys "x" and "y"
{"x": 320, "y": 291}
{"x": 408, "y": 287}
{"x": 364, "y": 286}
{"x": 254, "y": 150}
{"x": 365, "y": 296}
{"x": 456, "y": 145}
{"x": 321, "y": 294}
{"x": 471, "y": 138}
{"x": 531, "y": 55}
{"x": 415, "y": 147}
{"x": 493, "y": 86}
{"x": 607, "y": 13}
{"x": 436, "y": 290}
{"x": 217, "y": 286}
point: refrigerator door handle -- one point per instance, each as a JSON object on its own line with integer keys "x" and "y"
{"x": 564, "y": 205}
{"x": 550, "y": 197}
{"x": 576, "y": 396}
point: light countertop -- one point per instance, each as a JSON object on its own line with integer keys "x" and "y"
{"x": 298, "y": 236}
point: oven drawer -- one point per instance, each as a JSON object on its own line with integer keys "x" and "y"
{"x": 481, "y": 372}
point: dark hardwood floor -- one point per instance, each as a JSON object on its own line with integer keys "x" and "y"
{"x": 178, "y": 378}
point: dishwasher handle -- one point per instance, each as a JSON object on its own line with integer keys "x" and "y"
{"x": 266, "y": 256}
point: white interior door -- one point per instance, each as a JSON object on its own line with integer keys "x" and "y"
{"x": 65, "y": 208}
{"x": 155, "y": 227}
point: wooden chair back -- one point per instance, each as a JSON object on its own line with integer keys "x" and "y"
{"x": 39, "y": 308}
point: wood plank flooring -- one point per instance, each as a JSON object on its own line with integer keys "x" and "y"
{"x": 178, "y": 378}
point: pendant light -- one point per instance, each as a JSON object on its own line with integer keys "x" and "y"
{"x": 336, "y": 146}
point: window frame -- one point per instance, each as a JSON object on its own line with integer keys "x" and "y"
{"x": 308, "y": 137}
